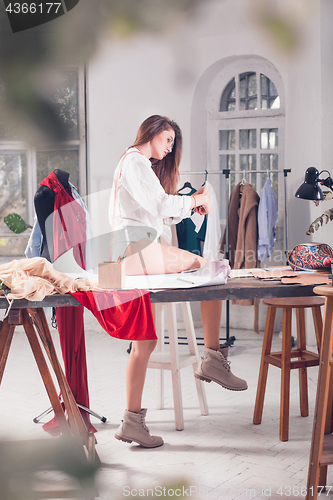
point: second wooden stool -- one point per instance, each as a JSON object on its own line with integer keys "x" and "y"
{"x": 284, "y": 359}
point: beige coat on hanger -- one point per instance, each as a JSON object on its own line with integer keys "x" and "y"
{"x": 243, "y": 235}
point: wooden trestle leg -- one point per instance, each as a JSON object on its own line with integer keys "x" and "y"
{"x": 75, "y": 425}
{"x": 6, "y": 337}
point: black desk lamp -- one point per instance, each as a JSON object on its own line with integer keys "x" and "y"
{"x": 310, "y": 190}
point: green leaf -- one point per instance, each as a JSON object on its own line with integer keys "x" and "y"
{"x": 16, "y": 223}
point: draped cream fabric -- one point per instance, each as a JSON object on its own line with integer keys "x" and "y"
{"x": 35, "y": 278}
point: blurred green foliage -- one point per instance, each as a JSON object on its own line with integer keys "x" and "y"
{"x": 282, "y": 22}
{"x": 16, "y": 223}
{"x": 22, "y": 461}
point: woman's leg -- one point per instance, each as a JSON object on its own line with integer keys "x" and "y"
{"x": 136, "y": 372}
{"x": 154, "y": 258}
{"x": 211, "y": 311}
{"x": 133, "y": 426}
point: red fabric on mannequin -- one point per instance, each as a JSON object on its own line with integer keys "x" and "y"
{"x": 124, "y": 314}
{"x": 69, "y": 221}
{"x": 70, "y": 324}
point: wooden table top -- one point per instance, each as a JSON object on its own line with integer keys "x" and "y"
{"x": 236, "y": 288}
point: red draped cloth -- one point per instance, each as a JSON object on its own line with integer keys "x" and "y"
{"x": 124, "y": 314}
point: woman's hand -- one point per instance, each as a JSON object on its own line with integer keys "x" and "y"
{"x": 201, "y": 203}
{"x": 205, "y": 205}
{"x": 203, "y": 190}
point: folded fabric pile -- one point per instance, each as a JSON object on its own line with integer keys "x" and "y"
{"x": 35, "y": 278}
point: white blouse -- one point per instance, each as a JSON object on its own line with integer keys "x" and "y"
{"x": 138, "y": 199}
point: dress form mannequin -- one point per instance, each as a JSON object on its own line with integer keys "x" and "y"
{"x": 44, "y": 206}
{"x": 70, "y": 320}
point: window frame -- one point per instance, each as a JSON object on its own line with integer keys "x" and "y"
{"x": 31, "y": 152}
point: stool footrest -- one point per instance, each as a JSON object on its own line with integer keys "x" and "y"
{"x": 161, "y": 360}
{"x": 308, "y": 358}
{"x": 327, "y": 454}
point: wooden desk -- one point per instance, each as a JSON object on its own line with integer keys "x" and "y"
{"x": 236, "y": 288}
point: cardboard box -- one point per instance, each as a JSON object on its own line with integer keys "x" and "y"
{"x": 111, "y": 275}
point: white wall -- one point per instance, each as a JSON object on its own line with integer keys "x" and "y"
{"x": 132, "y": 78}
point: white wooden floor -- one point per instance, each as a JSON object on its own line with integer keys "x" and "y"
{"x": 218, "y": 456}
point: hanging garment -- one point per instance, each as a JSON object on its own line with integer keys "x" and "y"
{"x": 69, "y": 222}
{"x": 267, "y": 215}
{"x": 191, "y": 232}
{"x": 243, "y": 236}
{"x": 188, "y": 238}
{"x": 211, "y": 244}
{"x": 242, "y": 227}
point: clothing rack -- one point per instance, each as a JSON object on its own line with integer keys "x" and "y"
{"x": 226, "y": 172}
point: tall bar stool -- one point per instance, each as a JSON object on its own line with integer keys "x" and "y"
{"x": 284, "y": 358}
{"x": 174, "y": 361}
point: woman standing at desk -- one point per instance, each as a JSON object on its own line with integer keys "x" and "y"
{"x": 142, "y": 199}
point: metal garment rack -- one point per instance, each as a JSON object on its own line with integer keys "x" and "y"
{"x": 226, "y": 172}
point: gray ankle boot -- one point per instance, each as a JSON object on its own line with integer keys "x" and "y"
{"x": 214, "y": 366}
{"x": 133, "y": 428}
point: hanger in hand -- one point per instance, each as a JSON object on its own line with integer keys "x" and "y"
{"x": 186, "y": 185}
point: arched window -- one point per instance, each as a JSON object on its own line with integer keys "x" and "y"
{"x": 245, "y": 130}
{"x": 248, "y": 138}
{"x": 248, "y": 93}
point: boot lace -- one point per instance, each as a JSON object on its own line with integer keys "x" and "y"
{"x": 225, "y": 362}
{"x": 143, "y": 423}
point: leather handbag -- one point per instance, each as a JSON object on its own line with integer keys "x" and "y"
{"x": 311, "y": 256}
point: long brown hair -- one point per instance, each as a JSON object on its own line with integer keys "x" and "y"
{"x": 167, "y": 170}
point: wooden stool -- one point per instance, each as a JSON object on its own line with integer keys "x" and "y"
{"x": 172, "y": 360}
{"x": 284, "y": 360}
{"x": 321, "y": 452}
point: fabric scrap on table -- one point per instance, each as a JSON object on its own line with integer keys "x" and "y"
{"x": 274, "y": 274}
{"x": 307, "y": 279}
